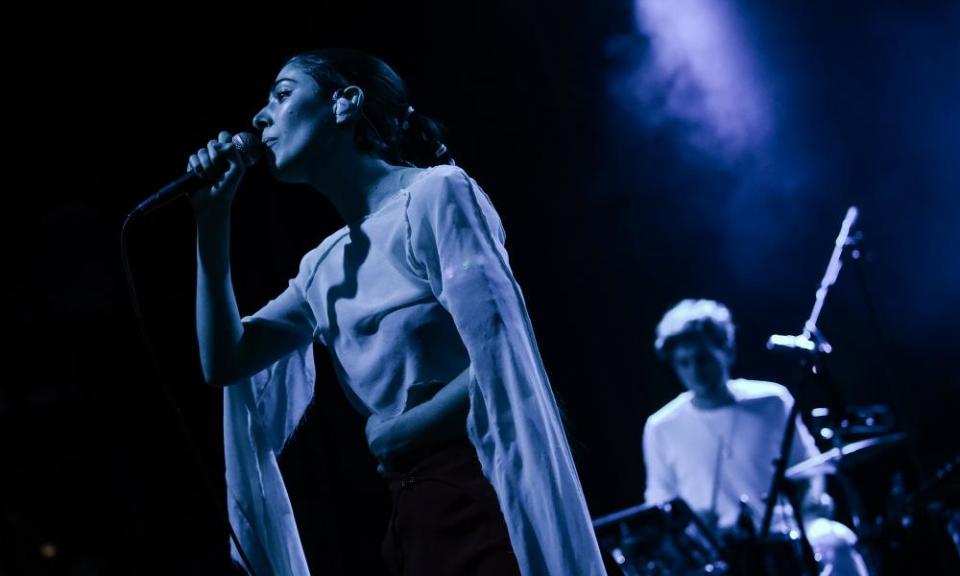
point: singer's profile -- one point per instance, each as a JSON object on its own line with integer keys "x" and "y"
{"x": 415, "y": 301}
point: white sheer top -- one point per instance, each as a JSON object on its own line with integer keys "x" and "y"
{"x": 410, "y": 295}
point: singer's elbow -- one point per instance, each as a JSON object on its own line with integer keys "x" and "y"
{"x": 219, "y": 377}
{"x": 220, "y": 382}
{"x": 216, "y": 382}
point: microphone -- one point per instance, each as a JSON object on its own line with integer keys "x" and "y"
{"x": 801, "y": 343}
{"x": 250, "y": 149}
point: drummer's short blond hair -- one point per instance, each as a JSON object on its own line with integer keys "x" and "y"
{"x": 691, "y": 318}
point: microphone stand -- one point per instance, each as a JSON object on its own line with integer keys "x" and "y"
{"x": 813, "y": 347}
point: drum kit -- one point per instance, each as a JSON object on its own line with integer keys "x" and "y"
{"x": 669, "y": 538}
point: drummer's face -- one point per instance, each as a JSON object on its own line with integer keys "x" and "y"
{"x": 701, "y": 366}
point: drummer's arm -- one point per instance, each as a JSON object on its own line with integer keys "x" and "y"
{"x": 661, "y": 482}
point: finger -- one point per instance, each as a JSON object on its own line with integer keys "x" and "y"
{"x": 204, "y": 157}
{"x": 214, "y": 150}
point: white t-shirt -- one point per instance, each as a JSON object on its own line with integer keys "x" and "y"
{"x": 721, "y": 453}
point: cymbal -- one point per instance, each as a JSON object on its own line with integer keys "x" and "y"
{"x": 848, "y": 455}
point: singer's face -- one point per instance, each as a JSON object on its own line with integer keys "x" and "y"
{"x": 297, "y": 124}
{"x": 701, "y": 366}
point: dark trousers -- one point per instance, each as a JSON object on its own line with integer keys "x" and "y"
{"x": 446, "y": 519}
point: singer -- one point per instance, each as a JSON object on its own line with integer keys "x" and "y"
{"x": 415, "y": 301}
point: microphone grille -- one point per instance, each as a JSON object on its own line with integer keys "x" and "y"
{"x": 249, "y": 147}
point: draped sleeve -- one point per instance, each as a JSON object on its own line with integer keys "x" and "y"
{"x": 456, "y": 243}
{"x": 260, "y": 414}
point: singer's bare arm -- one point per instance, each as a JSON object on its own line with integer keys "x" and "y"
{"x": 427, "y": 422}
{"x": 228, "y": 350}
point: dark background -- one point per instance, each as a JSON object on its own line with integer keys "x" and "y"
{"x": 612, "y": 215}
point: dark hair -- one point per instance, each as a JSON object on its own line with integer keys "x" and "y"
{"x": 692, "y": 318}
{"x": 391, "y": 130}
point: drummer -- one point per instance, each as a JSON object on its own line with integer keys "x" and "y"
{"x": 714, "y": 445}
